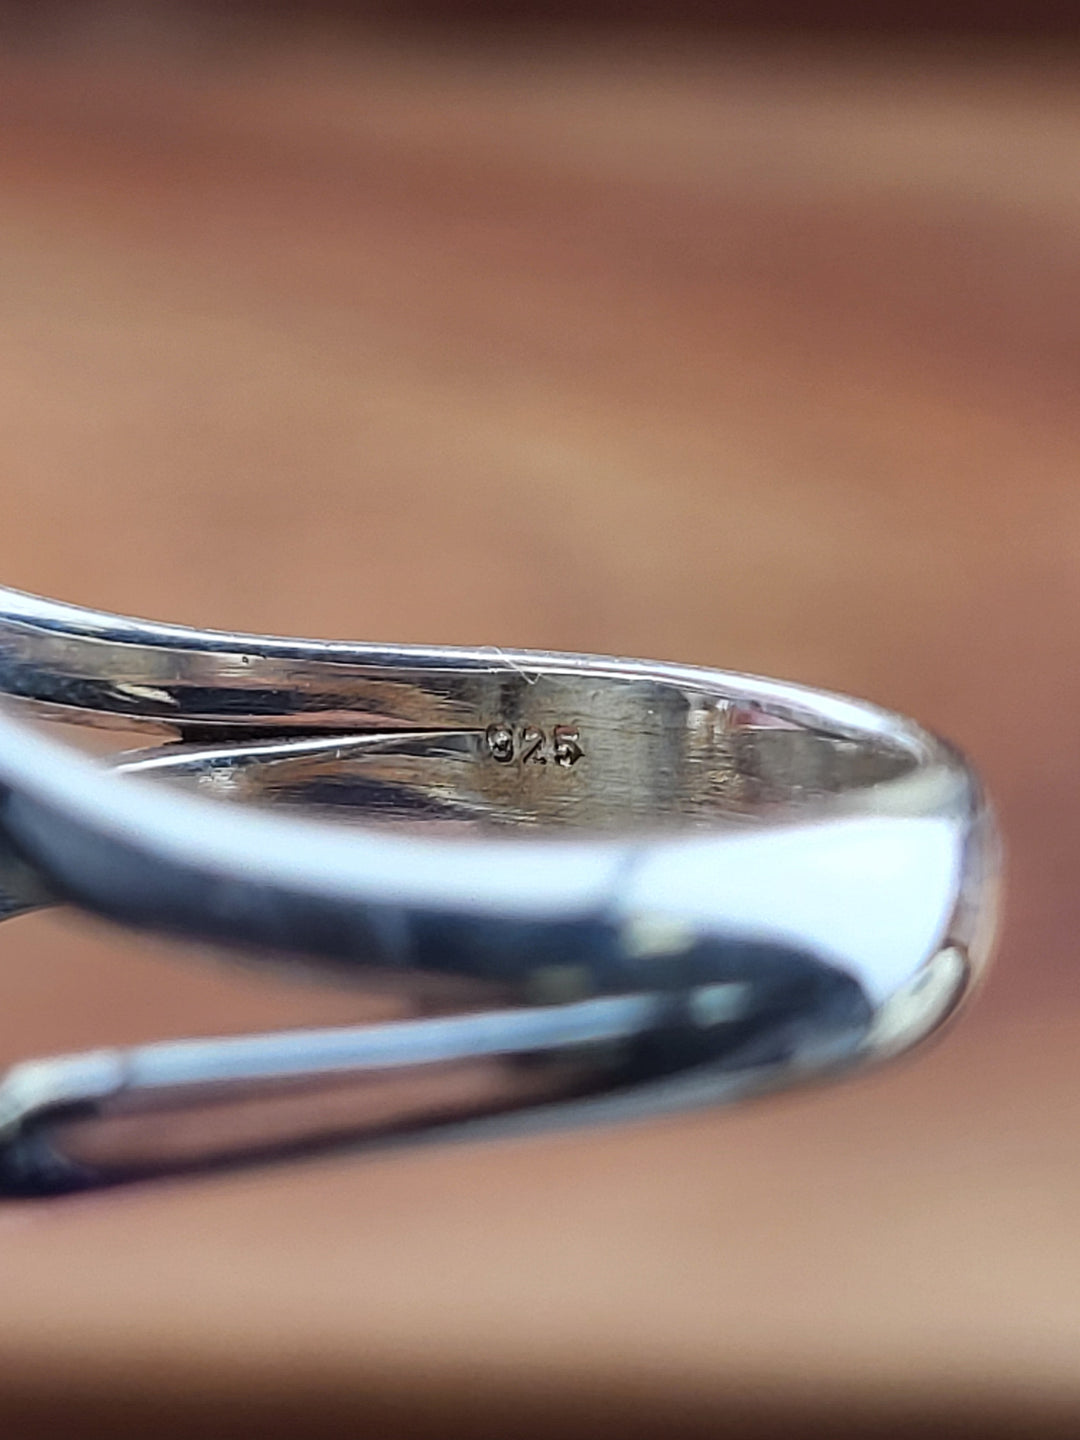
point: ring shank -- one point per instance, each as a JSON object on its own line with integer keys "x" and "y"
{"x": 781, "y": 881}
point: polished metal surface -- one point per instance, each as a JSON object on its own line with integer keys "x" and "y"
{"x": 614, "y": 886}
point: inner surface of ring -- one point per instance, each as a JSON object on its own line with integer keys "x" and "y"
{"x": 552, "y": 750}
{"x": 479, "y": 737}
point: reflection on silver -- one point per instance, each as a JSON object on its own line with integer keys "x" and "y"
{"x": 913, "y": 1010}
{"x": 604, "y": 886}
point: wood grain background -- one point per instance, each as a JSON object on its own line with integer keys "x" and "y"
{"x": 744, "y": 353}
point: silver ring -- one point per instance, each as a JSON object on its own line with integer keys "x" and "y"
{"x": 599, "y": 887}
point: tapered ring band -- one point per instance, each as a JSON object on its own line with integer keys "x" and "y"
{"x": 636, "y": 885}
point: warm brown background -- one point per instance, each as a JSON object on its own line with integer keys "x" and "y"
{"x": 755, "y": 353}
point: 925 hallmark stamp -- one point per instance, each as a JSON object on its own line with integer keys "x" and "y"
{"x": 529, "y": 745}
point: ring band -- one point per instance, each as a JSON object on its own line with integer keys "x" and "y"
{"x": 623, "y": 886}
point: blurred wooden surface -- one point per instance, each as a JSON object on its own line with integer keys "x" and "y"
{"x": 752, "y": 357}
